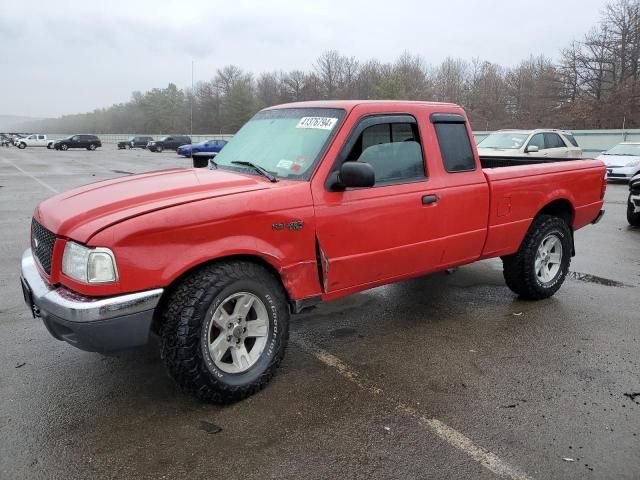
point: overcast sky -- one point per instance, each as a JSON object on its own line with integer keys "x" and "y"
{"x": 60, "y": 56}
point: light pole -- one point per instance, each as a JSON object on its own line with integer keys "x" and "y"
{"x": 192, "y": 94}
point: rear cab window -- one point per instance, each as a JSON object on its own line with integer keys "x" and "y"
{"x": 455, "y": 144}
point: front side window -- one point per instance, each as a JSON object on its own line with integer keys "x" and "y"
{"x": 393, "y": 150}
{"x": 455, "y": 147}
{"x": 537, "y": 141}
{"x": 286, "y": 142}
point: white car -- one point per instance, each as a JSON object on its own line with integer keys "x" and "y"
{"x": 34, "y": 140}
{"x": 622, "y": 161}
{"x": 536, "y": 143}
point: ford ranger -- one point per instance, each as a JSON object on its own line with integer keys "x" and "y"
{"x": 308, "y": 202}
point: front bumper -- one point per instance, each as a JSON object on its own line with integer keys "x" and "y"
{"x": 95, "y": 324}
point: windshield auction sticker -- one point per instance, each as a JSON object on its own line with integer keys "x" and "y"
{"x": 323, "y": 123}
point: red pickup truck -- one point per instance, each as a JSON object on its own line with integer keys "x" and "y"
{"x": 307, "y": 203}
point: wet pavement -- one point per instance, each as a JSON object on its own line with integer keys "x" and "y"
{"x": 446, "y": 376}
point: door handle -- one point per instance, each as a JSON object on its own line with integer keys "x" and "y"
{"x": 429, "y": 199}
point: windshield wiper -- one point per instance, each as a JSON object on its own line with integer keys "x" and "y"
{"x": 257, "y": 168}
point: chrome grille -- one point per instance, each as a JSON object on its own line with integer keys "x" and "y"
{"x": 42, "y": 242}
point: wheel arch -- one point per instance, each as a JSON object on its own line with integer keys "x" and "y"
{"x": 564, "y": 210}
{"x": 244, "y": 257}
{"x": 561, "y": 208}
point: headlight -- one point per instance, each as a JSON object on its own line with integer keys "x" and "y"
{"x": 633, "y": 163}
{"x": 89, "y": 265}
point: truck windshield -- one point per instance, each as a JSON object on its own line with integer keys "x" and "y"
{"x": 503, "y": 140}
{"x": 624, "y": 149}
{"x": 286, "y": 142}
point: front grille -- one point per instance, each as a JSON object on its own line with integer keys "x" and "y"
{"x": 42, "y": 242}
{"x": 617, "y": 175}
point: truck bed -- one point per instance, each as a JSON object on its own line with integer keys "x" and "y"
{"x": 489, "y": 161}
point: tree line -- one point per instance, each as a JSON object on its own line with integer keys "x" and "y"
{"x": 594, "y": 84}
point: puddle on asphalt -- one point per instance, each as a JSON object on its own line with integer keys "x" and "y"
{"x": 343, "y": 332}
{"x": 586, "y": 277}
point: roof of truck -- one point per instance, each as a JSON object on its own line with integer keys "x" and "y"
{"x": 350, "y": 104}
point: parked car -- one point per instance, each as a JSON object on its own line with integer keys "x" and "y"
{"x": 135, "y": 142}
{"x": 33, "y": 140}
{"x": 5, "y": 141}
{"x": 90, "y": 142}
{"x": 622, "y": 161}
{"x": 208, "y": 146}
{"x": 215, "y": 260}
{"x": 536, "y": 143}
{"x": 633, "y": 203}
{"x": 170, "y": 142}
{"x": 15, "y": 138}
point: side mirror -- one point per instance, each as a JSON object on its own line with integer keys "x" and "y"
{"x": 356, "y": 175}
{"x": 532, "y": 149}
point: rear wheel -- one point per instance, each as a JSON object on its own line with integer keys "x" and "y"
{"x": 225, "y": 331}
{"x": 91, "y": 147}
{"x": 632, "y": 218}
{"x": 538, "y": 269}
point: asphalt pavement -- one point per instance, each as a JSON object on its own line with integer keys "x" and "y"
{"x": 447, "y": 376}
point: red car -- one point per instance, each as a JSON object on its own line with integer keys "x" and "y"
{"x": 307, "y": 203}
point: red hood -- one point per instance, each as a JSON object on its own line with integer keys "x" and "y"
{"x": 82, "y": 212}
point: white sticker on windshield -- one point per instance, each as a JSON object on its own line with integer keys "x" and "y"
{"x": 323, "y": 123}
{"x": 286, "y": 164}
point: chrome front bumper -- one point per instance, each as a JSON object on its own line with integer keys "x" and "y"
{"x": 90, "y": 323}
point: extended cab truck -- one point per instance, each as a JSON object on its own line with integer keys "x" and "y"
{"x": 34, "y": 140}
{"x": 348, "y": 196}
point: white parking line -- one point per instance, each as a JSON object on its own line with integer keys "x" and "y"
{"x": 46, "y": 185}
{"x": 450, "y": 435}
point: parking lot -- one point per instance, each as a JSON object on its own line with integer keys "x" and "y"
{"x": 446, "y": 376}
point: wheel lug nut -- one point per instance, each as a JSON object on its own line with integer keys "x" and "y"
{"x": 229, "y": 338}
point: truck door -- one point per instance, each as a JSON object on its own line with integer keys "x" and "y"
{"x": 370, "y": 235}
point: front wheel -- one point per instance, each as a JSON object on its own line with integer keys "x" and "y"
{"x": 22, "y": 146}
{"x": 539, "y": 267}
{"x": 633, "y": 217}
{"x": 225, "y": 331}
{"x": 64, "y": 146}
{"x": 159, "y": 148}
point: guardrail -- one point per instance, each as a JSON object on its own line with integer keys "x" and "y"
{"x": 591, "y": 141}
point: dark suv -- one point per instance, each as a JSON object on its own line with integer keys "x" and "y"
{"x": 170, "y": 142}
{"x": 90, "y": 142}
{"x": 135, "y": 142}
